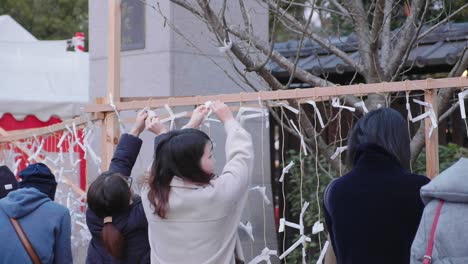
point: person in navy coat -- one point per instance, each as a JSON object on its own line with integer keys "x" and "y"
{"x": 373, "y": 212}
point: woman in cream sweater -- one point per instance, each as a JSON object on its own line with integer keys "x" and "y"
{"x": 192, "y": 213}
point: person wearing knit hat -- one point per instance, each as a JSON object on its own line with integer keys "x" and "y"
{"x": 46, "y": 224}
{"x": 39, "y": 176}
{"x": 8, "y": 182}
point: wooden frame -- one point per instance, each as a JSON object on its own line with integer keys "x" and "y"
{"x": 429, "y": 86}
{"x": 103, "y": 110}
{"x": 111, "y": 132}
{"x": 432, "y": 140}
{"x": 317, "y": 94}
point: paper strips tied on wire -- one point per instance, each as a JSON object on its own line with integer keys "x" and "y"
{"x": 362, "y": 105}
{"x": 303, "y": 145}
{"x": 317, "y": 112}
{"x": 302, "y": 239}
{"x": 266, "y": 113}
{"x": 16, "y": 166}
{"x": 37, "y": 152}
{"x": 247, "y": 227}
{"x": 262, "y": 191}
{"x": 282, "y": 104}
{"x": 286, "y": 170}
{"x": 322, "y": 254}
{"x": 89, "y": 150}
{"x": 317, "y": 228}
{"x": 227, "y": 46}
{"x": 112, "y": 104}
{"x": 461, "y": 97}
{"x": 338, "y": 151}
{"x": 264, "y": 256}
{"x": 430, "y": 113}
{"x": 257, "y": 112}
{"x": 207, "y": 120}
{"x": 172, "y": 117}
{"x": 336, "y": 104}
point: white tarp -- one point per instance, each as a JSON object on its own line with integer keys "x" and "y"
{"x": 41, "y": 78}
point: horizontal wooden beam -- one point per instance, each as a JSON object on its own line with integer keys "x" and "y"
{"x": 131, "y": 120}
{"x": 145, "y": 99}
{"x": 317, "y": 94}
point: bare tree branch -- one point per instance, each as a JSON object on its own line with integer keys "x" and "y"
{"x": 368, "y": 44}
{"x": 326, "y": 152}
{"x": 187, "y": 6}
{"x": 309, "y": 129}
{"x": 320, "y": 40}
{"x": 417, "y": 143}
{"x": 361, "y": 27}
{"x": 386, "y": 31}
{"x": 272, "y": 41}
{"x": 285, "y": 63}
{"x": 301, "y": 41}
{"x": 223, "y": 10}
{"x": 340, "y": 7}
{"x": 422, "y": 35}
{"x": 376, "y": 27}
{"x": 279, "y": 59}
{"x": 215, "y": 24}
{"x": 447, "y": 113}
{"x": 377, "y": 21}
{"x": 338, "y": 12}
{"x": 457, "y": 70}
{"x": 444, "y": 102}
{"x": 406, "y": 38}
{"x": 245, "y": 16}
{"x": 410, "y": 46}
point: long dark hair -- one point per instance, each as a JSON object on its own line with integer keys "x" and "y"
{"x": 178, "y": 154}
{"x": 109, "y": 195}
{"x": 386, "y": 128}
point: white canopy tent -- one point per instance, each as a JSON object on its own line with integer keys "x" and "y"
{"x": 12, "y": 31}
{"x": 40, "y": 78}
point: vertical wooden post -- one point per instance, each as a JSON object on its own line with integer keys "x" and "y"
{"x": 432, "y": 142}
{"x": 110, "y": 130}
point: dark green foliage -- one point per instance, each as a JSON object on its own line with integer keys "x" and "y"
{"x": 448, "y": 155}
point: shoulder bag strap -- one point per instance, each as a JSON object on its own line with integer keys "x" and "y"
{"x": 430, "y": 243}
{"x": 24, "y": 239}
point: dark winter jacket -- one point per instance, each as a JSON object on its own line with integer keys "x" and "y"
{"x": 8, "y": 182}
{"x": 373, "y": 212}
{"x": 132, "y": 223}
{"x": 45, "y": 223}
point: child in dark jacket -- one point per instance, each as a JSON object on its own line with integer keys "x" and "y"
{"x": 115, "y": 216}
